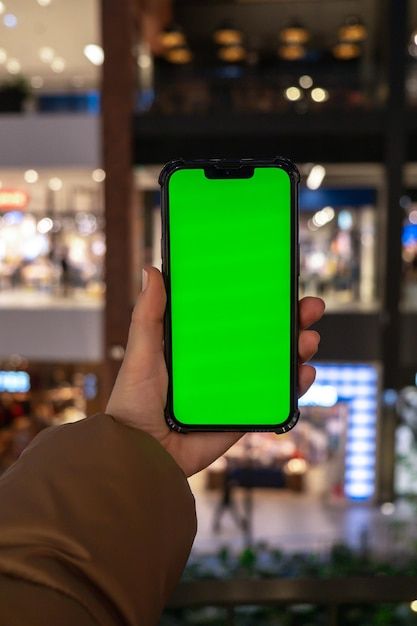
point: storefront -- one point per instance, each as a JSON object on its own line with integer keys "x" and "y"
{"x": 51, "y": 236}
{"x": 338, "y": 245}
{"x": 331, "y": 453}
{"x": 34, "y": 396}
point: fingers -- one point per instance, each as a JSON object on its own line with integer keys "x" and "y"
{"x": 306, "y": 377}
{"x": 147, "y": 325}
{"x": 310, "y": 311}
{"x": 308, "y": 344}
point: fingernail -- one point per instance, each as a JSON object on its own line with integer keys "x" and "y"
{"x": 145, "y": 277}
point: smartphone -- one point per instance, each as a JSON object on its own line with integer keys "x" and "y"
{"x": 230, "y": 266}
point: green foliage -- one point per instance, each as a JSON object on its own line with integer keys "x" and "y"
{"x": 19, "y": 84}
{"x": 263, "y": 562}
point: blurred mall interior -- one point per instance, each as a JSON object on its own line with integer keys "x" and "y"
{"x": 91, "y": 108}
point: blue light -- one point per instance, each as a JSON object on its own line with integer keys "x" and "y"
{"x": 359, "y": 491}
{"x": 409, "y": 235}
{"x": 11, "y": 218}
{"x": 14, "y": 382}
{"x": 360, "y": 460}
{"x": 361, "y": 475}
{"x": 320, "y": 395}
{"x": 356, "y": 385}
{"x": 10, "y": 20}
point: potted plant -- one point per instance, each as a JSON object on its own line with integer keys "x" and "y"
{"x": 13, "y": 94}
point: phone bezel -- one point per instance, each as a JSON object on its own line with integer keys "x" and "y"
{"x": 226, "y": 164}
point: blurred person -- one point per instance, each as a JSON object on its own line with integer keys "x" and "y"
{"x": 97, "y": 518}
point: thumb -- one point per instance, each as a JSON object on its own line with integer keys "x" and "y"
{"x": 147, "y": 326}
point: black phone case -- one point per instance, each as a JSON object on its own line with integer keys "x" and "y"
{"x": 224, "y": 164}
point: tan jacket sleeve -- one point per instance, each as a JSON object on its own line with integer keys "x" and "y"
{"x": 96, "y": 524}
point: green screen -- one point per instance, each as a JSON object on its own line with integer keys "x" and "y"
{"x": 230, "y": 273}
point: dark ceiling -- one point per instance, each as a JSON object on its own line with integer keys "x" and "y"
{"x": 261, "y": 21}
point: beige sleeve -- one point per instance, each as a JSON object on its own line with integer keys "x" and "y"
{"x": 99, "y": 520}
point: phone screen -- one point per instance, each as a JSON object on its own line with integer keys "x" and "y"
{"x": 230, "y": 255}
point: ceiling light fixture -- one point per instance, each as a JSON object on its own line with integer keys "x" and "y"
{"x": 2, "y": 7}
{"x": 13, "y": 66}
{"x": 179, "y": 56}
{"x": 227, "y": 34}
{"x": 346, "y": 51}
{"x": 293, "y": 94}
{"x": 10, "y": 20}
{"x": 305, "y": 81}
{"x": 44, "y": 3}
{"x": 319, "y": 95}
{"x": 234, "y": 53}
{"x": 315, "y": 177}
{"x": 31, "y": 176}
{"x": 173, "y": 37}
{"x": 55, "y": 184}
{"x": 94, "y": 53}
{"x": 3, "y": 56}
{"x": 294, "y": 33}
{"x": 58, "y": 65}
{"x": 45, "y": 225}
{"x": 291, "y": 52}
{"x": 98, "y": 175}
{"x": 46, "y": 54}
{"x": 323, "y": 217}
{"x": 353, "y": 30}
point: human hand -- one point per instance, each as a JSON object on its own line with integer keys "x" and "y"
{"x": 139, "y": 395}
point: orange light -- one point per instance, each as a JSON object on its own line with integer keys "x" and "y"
{"x": 353, "y": 30}
{"x": 232, "y": 54}
{"x": 180, "y": 55}
{"x": 294, "y": 34}
{"x": 291, "y": 52}
{"x": 173, "y": 37}
{"x": 227, "y": 36}
{"x": 346, "y": 51}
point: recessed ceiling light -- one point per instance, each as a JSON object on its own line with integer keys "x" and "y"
{"x": 13, "y": 66}
{"x": 46, "y": 54}
{"x": 45, "y": 225}
{"x": 293, "y": 94}
{"x": 319, "y": 95}
{"x": 10, "y": 20}
{"x": 94, "y": 53}
{"x": 2, "y": 7}
{"x": 316, "y": 176}
{"x": 58, "y": 65}
{"x": 98, "y": 175}
{"x": 37, "y": 82}
{"x": 55, "y": 184}
{"x": 44, "y": 3}
{"x": 305, "y": 81}
{"x": 31, "y": 176}
{"x": 3, "y": 55}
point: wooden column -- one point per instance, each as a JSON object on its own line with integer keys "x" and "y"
{"x": 119, "y": 37}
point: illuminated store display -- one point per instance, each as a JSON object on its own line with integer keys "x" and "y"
{"x": 51, "y": 236}
{"x": 356, "y": 386}
{"x": 338, "y": 245}
{"x": 332, "y": 451}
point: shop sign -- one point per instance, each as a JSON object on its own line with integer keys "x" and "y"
{"x": 12, "y": 199}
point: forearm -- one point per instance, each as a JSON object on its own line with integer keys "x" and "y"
{"x": 101, "y": 514}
